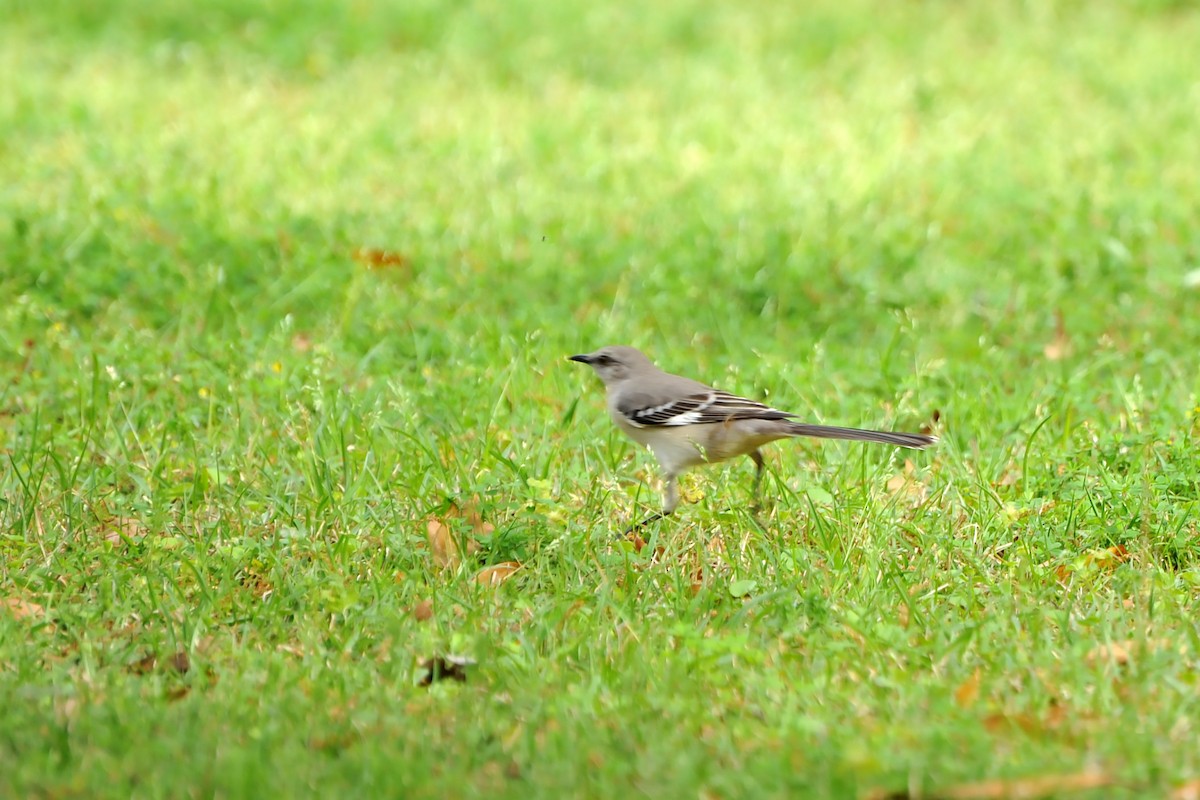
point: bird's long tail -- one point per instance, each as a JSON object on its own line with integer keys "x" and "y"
{"x": 914, "y": 440}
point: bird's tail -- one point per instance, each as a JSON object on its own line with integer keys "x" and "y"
{"x": 914, "y": 440}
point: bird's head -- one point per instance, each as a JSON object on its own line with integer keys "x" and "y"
{"x": 615, "y": 362}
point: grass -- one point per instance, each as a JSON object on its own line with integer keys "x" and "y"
{"x": 285, "y": 285}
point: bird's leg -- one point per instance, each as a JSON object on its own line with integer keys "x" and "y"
{"x": 759, "y": 464}
{"x": 670, "y": 502}
{"x": 670, "y": 495}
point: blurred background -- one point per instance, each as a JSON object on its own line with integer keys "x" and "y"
{"x": 254, "y": 225}
{"x": 327, "y": 218}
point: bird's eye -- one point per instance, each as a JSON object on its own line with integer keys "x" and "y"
{"x": 604, "y": 360}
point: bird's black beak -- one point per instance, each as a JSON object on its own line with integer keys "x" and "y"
{"x": 582, "y": 359}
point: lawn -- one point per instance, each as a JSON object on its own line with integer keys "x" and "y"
{"x": 286, "y": 295}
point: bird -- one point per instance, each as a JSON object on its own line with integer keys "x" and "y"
{"x": 686, "y": 423}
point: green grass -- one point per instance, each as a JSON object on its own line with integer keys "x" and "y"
{"x": 223, "y": 432}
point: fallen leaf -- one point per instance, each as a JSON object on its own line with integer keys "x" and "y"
{"x": 447, "y": 546}
{"x": 1107, "y": 558}
{"x": 440, "y": 668}
{"x": 497, "y": 574}
{"x": 21, "y": 609}
{"x": 968, "y": 691}
{"x": 375, "y": 258}
{"x": 180, "y": 662}
{"x": 478, "y": 525}
{"x": 441, "y": 542}
{"x": 144, "y": 665}
{"x": 423, "y": 611}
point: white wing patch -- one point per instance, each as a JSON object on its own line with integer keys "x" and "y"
{"x": 697, "y": 409}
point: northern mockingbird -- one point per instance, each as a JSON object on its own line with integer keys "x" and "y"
{"x": 686, "y": 423}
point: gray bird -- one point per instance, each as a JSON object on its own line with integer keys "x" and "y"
{"x": 686, "y": 423}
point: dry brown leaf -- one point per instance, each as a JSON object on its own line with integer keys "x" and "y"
{"x": 1107, "y": 558}
{"x": 497, "y": 574}
{"x": 144, "y": 665}
{"x": 1186, "y": 791}
{"x": 21, "y": 609}
{"x": 441, "y": 542}
{"x": 446, "y": 545}
{"x": 375, "y": 258}
{"x": 968, "y": 691}
{"x": 423, "y": 611}
{"x": 478, "y": 525}
{"x": 180, "y": 662}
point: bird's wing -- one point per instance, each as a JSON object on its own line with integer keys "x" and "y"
{"x": 699, "y": 408}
